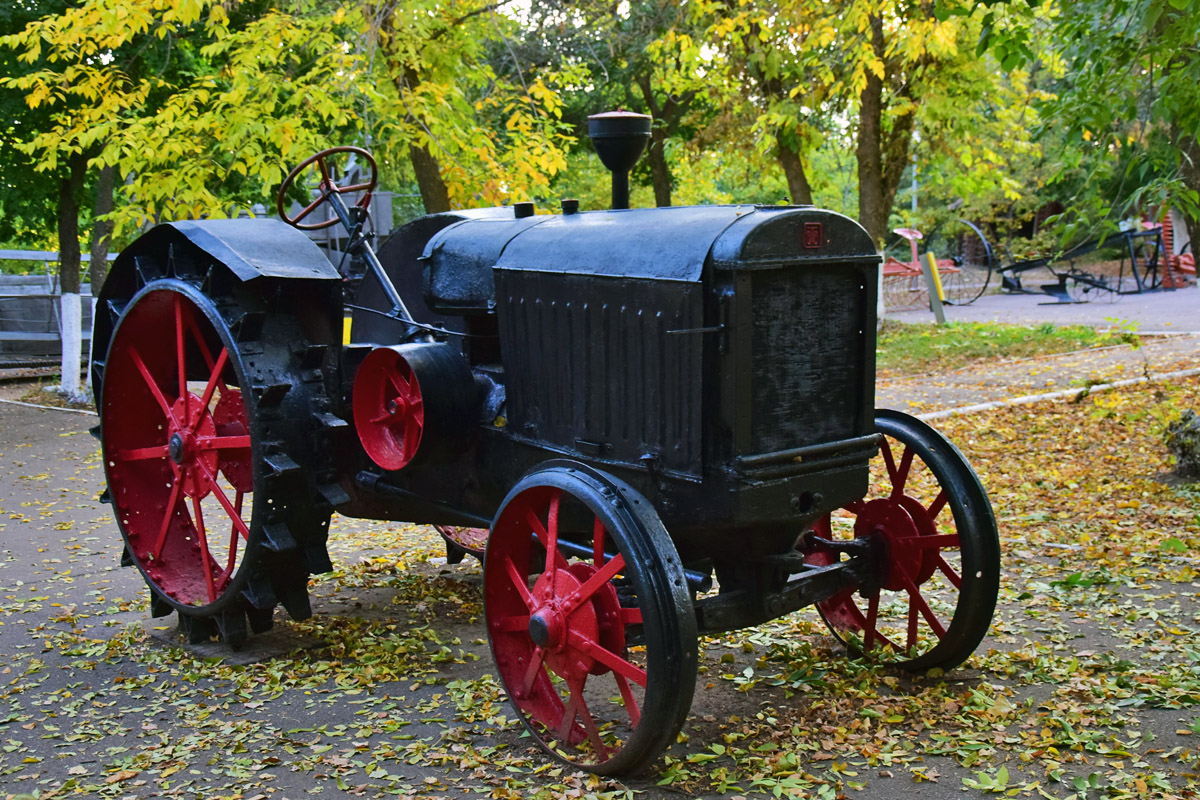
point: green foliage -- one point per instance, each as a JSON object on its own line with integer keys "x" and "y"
{"x": 202, "y": 111}
{"x": 1005, "y": 107}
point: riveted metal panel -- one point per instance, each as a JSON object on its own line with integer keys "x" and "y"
{"x": 593, "y": 367}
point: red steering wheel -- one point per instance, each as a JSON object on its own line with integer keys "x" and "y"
{"x": 327, "y": 187}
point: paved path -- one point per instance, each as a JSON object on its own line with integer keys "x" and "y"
{"x": 1175, "y": 311}
{"x": 993, "y": 380}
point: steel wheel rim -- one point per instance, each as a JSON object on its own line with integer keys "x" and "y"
{"x": 963, "y": 244}
{"x": 177, "y": 443}
{"x": 939, "y": 556}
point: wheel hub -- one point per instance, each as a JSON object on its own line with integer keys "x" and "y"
{"x": 192, "y": 424}
{"x": 539, "y": 630}
{"x": 900, "y": 561}
{"x": 175, "y": 448}
{"x": 556, "y": 624}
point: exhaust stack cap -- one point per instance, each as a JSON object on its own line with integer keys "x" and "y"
{"x": 619, "y": 138}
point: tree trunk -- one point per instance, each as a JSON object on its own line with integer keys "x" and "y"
{"x": 659, "y": 169}
{"x": 69, "y": 189}
{"x": 101, "y": 237}
{"x": 101, "y": 229}
{"x": 434, "y": 194}
{"x": 872, "y": 212}
{"x": 793, "y": 169}
{"x": 1190, "y": 172}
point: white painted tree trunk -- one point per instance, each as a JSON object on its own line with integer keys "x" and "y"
{"x": 88, "y": 389}
{"x": 72, "y": 336}
{"x": 880, "y": 307}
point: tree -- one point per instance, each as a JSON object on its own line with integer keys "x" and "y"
{"x": 1127, "y": 99}
{"x": 778, "y": 54}
{"x": 471, "y": 134}
{"x": 27, "y": 208}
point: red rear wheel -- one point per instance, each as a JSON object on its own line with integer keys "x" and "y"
{"x": 177, "y": 448}
{"x": 590, "y": 620}
{"x": 203, "y": 470}
{"x": 937, "y": 548}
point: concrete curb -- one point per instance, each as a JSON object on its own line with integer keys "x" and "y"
{"x": 1063, "y": 394}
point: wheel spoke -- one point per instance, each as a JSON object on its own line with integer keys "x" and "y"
{"x": 519, "y": 583}
{"x": 179, "y": 353}
{"x": 172, "y": 502}
{"x": 913, "y": 620}
{"x": 869, "y": 631}
{"x": 631, "y": 703}
{"x": 233, "y": 534}
{"x": 515, "y": 624}
{"x": 198, "y": 338}
{"x": 901, "y": 476}
{"x": 938, "y": 504}
{"x": 311, "y": 206}
{"x": 917, "y": 599}
{"x": 889, "y": 461}
{"x": 598, "y": 542}
{"x": 592, "y": 584}
{"x": 219, "y": 493}
{"x": 945, "y": 541}
{"x": 551, "y": 541}
{"x": 539, "y": 530}
{"x": 412, "y": 434}
{"x": 136, "y": 357}
{"x": 403, "y": 388}
{"x": 141, "y": 453}
{"x": 948, "y": 571}
{"x": 223, "y": 442}
{"x": 205, "y": 556}
{"x": 608, "y": 658}
{"x": 577, "y": 709}
{"x": 536, "y": 663}
{"x": 211, "y": 386}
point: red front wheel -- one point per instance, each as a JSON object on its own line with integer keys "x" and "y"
{"x": 590, "y": 619}
{"x": 937, "y": 551}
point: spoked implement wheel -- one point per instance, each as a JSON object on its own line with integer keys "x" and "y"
{"x": 214, "y": 512}
{"x": 935, "y": 547}
{"x": 590, "y": 620}
{"x": 963, "y": 243}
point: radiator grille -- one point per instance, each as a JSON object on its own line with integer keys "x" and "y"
{"x": 808, "y": 353}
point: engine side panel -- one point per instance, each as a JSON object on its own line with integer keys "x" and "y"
{"x": 594, "y": 366}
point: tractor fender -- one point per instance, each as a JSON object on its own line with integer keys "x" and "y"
{"x": 250, "y": 248}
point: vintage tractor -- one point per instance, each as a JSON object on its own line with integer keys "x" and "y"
{"x": 657, "y": 422}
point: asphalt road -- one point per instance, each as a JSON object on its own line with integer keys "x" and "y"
{"x": 1164, "y": 311}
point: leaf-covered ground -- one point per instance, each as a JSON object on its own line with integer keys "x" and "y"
{"x": 1088, "y": 686}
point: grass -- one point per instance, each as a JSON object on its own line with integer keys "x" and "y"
{"x": 906, "y": 349}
